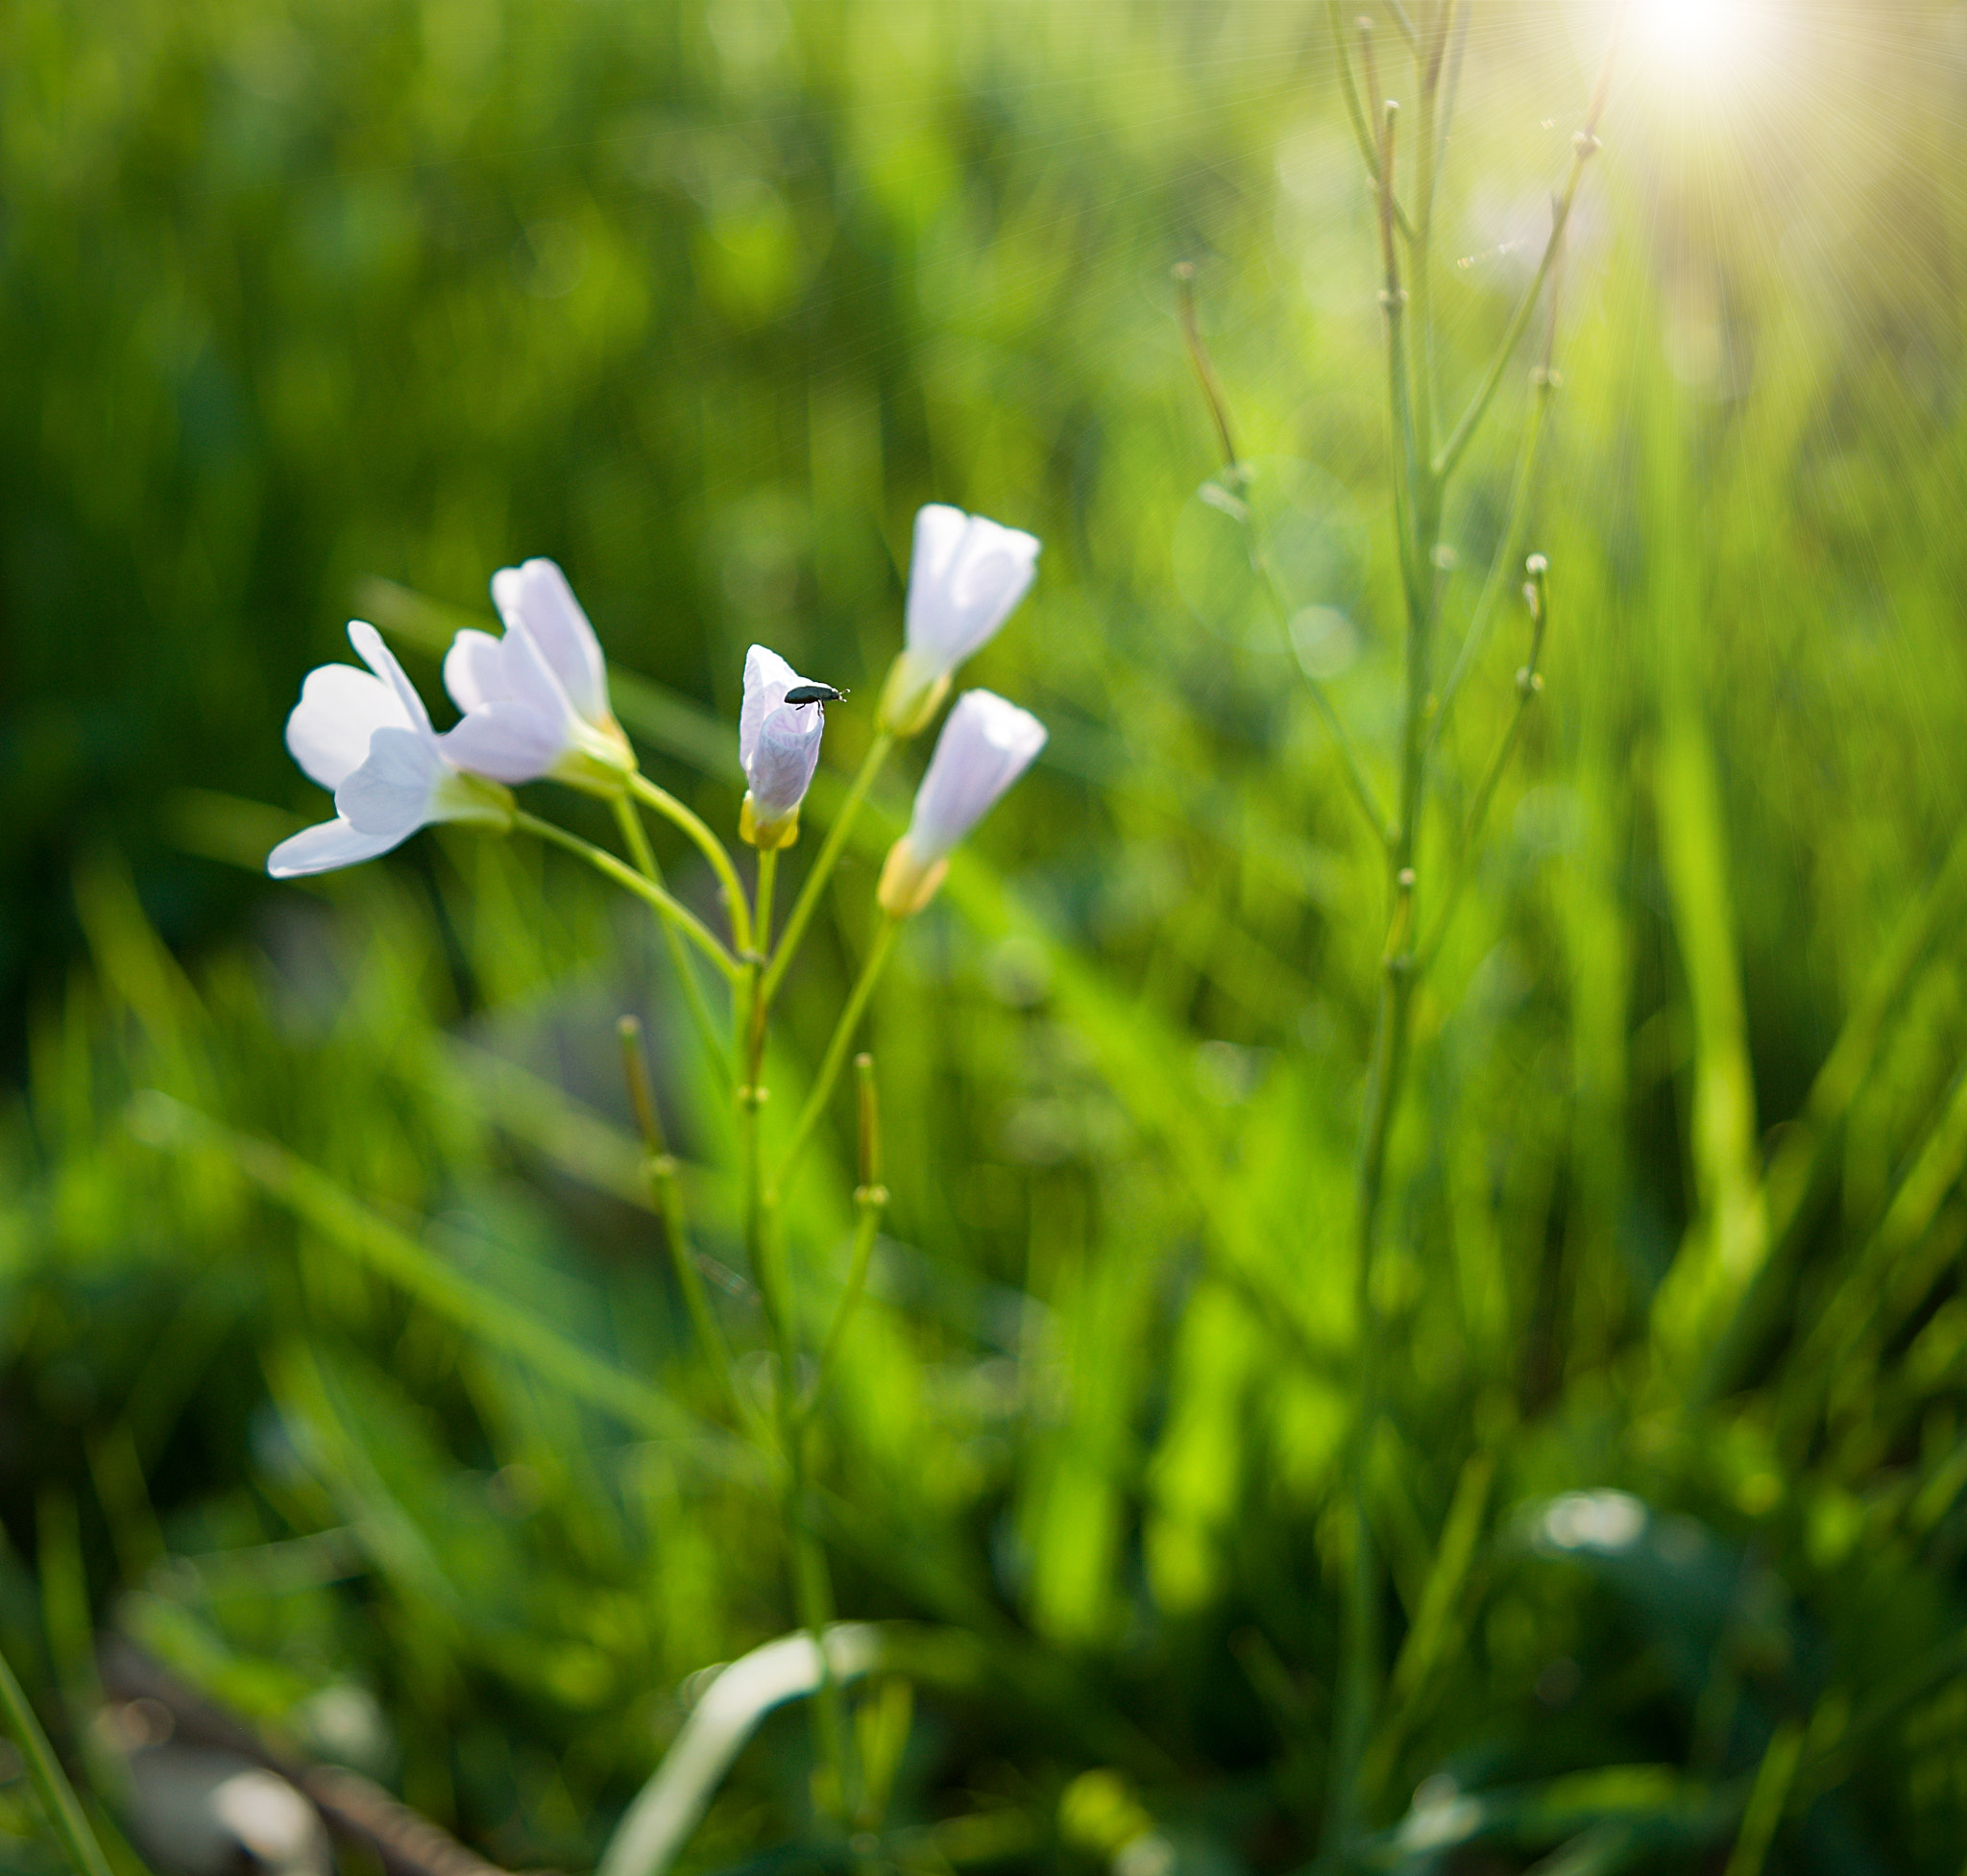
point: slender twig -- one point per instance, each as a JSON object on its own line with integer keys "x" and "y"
{"x": 1529, "y": 688}
{"x": 836, "y": 1052}
{"x": 1393, "y": 299}
{"x": 1501, "y": 572}
{"x": 1584, "y": 145}
{"x": 808, "y": 900}
{"x": 1368, "y": 147}
{"x": 1363, "y": 790}
{"x": 709, "y": 846}
{"x": 1453, "y": 87}
{"x": 636, "y": 836}
{"x": 603, "y": 862}
{"x": 62, "y": 1808}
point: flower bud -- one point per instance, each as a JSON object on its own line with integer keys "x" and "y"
{"x": 778, "y": 743}
{"x": 965, "y": 575}
{"x": 984, "y": 746}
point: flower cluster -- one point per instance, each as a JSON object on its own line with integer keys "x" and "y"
{"x": 534, "y": 704}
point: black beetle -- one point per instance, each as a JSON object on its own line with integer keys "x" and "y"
{"x": 814, "y": 694}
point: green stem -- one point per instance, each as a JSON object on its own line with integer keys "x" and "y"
{"x": 58, "y": 1797}
{"x": 1363, "y": 790}
{"x": 1529, "y": 688}
{"x": 761, "y": 917}
{"x": 1355, "y": 111}
{"x": 804, "y": 906}
{"x": 709, "y": 846}
{"x": 836, "y": 1053}
{"x": 1583, "y": 146}
{"x": 603, "y": 862}
{"x": 1502, "y": 569}
{"x": 705, "y": 1024}
{"x": 868, "y": 1203}
{"x": 659, "y": 1167}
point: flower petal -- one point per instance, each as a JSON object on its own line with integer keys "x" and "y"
{"x": 390, "y": 793}
{"x": 783, "y": 760}
{"x": 506, "y": 742}
{"x": 767, "y": 677}
{"x": 535, "y": 597}
{"x": 381, "y": 660}
{"x": 986, "y": 743}
{"x": 322, "y": 848}
{"x": 474, "y": 670}
{"x": 962, "y": 584}
{"x": 340, "y": 709}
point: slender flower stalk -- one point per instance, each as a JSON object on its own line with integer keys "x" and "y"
{"x": 831, "y": 848}
{"x": 709, "y": 845}
{"x": 672, "y": 910}
{"x": 636, "y": 836}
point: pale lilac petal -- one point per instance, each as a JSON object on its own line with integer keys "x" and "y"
{"x": 536, "y": 597}
{"x": 783, "y": 760}
{"x": 474, "y": 670}
{"x": 767, "y": 677}
{"x": 333, "y": 844}
{"x": 966, "y": 575}
{"x": 340, "y": 709}
{"x": 939, "y": 531}
{"x": 986, "y": 745}
{"x": 529, "y": 679}
{"x": 507, "y": 743}
{"x": 390, "y": 793}
{"x": 381, "y": 660}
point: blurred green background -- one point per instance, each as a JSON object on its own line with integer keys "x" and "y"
{"x": 313, "y": 308}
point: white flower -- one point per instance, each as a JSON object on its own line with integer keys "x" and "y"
{"x": 984, "y": 746}
{"x": 965, "y": 575}
{"x": 778, "y": 743}
{"x": 367, "y": 739}
{"x": 535, "y": 701}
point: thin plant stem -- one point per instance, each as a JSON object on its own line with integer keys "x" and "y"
{"x": 603, "y": 862}
{"x": 762, "y": 913}
{"x": 1363, "y": 790}
{"x": 808, "y": 901}
{"x": 836, "y": 1051}
{"x": 1361, "y": 1644}
{"x": 1400, "y": 16}
{"x": 709, "y": 846}
{"x": 1582, "y": 147}
{"x": 1529, "y": 688}
{"x": 659, "y": 1167}
{"x": 1393, "y": 300}
{"x": 870, "y": 1198}
{"x": 63, "y": 1809}
{"x": 1418, "y": 499}
{"x": 636, "y": 836}
{"x": 1501, "y": 570}
{"x": 1362, "y": 132}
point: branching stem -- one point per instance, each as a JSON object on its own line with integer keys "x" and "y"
{"x": 672, "y": 910}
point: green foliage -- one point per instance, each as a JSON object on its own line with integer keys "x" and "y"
{"x": 342, "y": 1365}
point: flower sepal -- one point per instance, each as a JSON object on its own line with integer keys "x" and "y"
{"x": 908, "y": 883}
{"x": 769, "y": 835}
{"x": 911, "y": 697}
{"x": 475, "y": 801}
{"x": 598, "y": 759}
